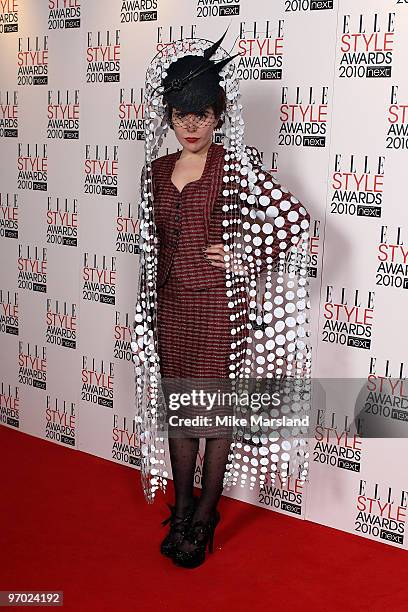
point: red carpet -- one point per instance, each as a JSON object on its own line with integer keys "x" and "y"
{"x": 76, "y": 523}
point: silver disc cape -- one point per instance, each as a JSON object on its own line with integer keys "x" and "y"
{"x": 266, "y": 245}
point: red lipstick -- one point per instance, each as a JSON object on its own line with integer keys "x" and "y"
{"x": 192, "y": 139}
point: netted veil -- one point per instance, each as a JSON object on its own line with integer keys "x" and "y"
{"x": 266, "y": 240}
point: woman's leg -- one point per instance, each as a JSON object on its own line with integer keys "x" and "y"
{"x": 183, "y": 457}
{"x": 183, "y": 454}
{"x": 215, "y": 460}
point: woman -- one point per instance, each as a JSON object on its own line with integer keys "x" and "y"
{"x": 212, "y": 220}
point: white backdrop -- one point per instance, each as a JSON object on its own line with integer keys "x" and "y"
{"x": 326, "y": 102}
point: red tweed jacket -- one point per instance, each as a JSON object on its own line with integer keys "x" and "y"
{"x": 188, "y": 221}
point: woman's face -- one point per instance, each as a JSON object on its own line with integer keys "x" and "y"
{"x": 194, "y": 130}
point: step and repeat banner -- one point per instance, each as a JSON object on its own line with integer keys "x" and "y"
{"x": 325, "y": 96}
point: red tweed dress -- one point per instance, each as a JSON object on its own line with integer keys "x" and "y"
{"x": 193, "y": 317}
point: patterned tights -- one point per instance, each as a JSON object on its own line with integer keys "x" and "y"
{"x": 183, "y": 456}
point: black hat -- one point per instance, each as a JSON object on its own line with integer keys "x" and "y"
{"x": 193, "y": 81}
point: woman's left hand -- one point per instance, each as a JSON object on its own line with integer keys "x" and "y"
{"x": 216, "y": 257}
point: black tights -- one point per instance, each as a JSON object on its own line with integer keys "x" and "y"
{"x": 183, "y": 456}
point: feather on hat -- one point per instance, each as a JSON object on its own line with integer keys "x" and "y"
{"x": 192, "y": 82}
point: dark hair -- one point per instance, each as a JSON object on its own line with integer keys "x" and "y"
{"x": 219, "y": 106}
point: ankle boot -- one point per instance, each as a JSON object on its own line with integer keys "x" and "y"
{"x": 178, "y": 527}
{"x": 199, "y": 533}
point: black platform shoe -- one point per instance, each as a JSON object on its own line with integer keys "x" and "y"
{"x": 178, "y": 528}
{"x": 199, "y": 534}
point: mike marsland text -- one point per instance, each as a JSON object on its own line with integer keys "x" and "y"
{"x": 233, "y": 421}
